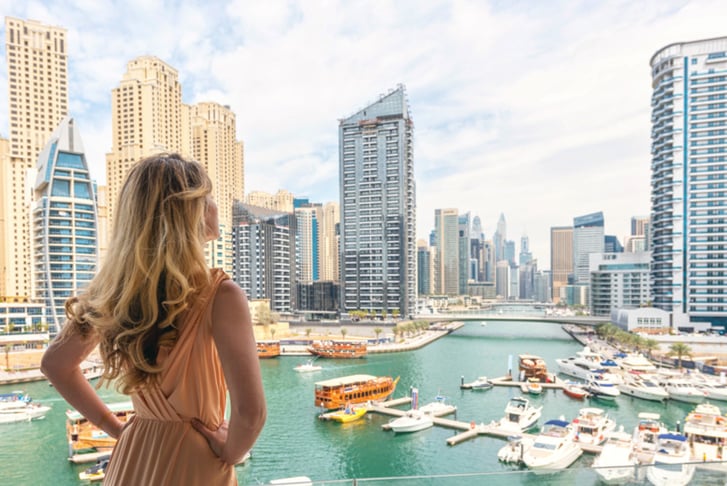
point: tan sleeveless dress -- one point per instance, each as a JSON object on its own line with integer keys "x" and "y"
{"x": 160, "y": 447}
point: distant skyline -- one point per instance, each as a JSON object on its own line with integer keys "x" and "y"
{"x": 538, "y": 110}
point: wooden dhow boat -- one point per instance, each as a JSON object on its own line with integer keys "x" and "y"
{"x": 88, "y": 443}
{"x": 268, "y": 349}
{"x": 339, "y": 349}
{"x": 338, "y": 392}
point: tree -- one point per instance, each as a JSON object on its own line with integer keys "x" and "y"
{"x": 650, "y": 345}
{"x": 7, "y": 357}
{"x": 308, "y": 330}
{"x": 272, "y": 333}
{"x": 344, "y": 331}
{"x": 395, "y": 313}
{"x": 679, "y": 350}
{"x": 377, "y": 331}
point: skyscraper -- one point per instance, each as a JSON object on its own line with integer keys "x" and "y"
{"x": 499, "y": 238}
{"x": 378, "y": 207}
{"x": 329, "y": 242}
{"x": 308, "y": 218}
{"x": 688, "y": 175}
{"x": 561, "y": 258}
{"x": 446, "y": 260}
{"x": 37, "y": 63}
{"x": 464, "y": 252}
{"x": 588, "y": 238}
{"x": 65, "y": 222}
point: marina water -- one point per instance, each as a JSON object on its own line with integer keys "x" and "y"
{"x": 295, "y": 442}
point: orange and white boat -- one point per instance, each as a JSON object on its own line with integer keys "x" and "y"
{"x": 88, "y": 443}
{"x": 339, "y": 349}
{"x": 352, "y": 389}
{"x": 268, "y": 349}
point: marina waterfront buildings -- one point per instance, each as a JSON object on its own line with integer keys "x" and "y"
{"x": 378, "y": 207}
{"x": 588, "y": 238}
{"x": 64, "y": 222}
{"x": 688, "y": 176}
{"x": 619, "y": 280}
{"x": 561, "y": 258}
{"x": 447, "y": 247}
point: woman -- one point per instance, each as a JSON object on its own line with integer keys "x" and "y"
{"x": 172, "y": 334}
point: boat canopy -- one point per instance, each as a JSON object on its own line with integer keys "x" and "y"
{"x": 558, "y": 423}
{"x": 346, "y": 380}
{"x": 670, "y": 436}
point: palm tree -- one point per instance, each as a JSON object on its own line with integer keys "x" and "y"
{"x": 650, "y": 345}
{"x": 679, "y": 350}
{"x": 308, "y": 330}
{"x": 377, "y": 331}
{"x": 7, "y": 357}
{"x": 272, "y": 333}
{"x": 344, "y": 331}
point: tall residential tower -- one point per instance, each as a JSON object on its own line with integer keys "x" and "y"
{"x": 378, "y": 207}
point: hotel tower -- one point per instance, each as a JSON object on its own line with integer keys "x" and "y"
{"x": 37, "y": 63}
{"x": 689, "y": 180}
{"x": 376, "y": 180}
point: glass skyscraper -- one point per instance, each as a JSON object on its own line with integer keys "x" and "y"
{"x": 378, "y": 207}
{"x": 65, "y": 222}
{"x": 689, "y": 180}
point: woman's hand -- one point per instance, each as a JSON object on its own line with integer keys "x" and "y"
{"x": 215, "y": 438}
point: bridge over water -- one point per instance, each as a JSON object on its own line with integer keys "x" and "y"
{"x": 471, "y": 316}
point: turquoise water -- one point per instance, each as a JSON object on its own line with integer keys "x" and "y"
{"x": 294, "y": 442}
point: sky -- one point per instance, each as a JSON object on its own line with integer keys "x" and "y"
{"x": 538, "y": 110}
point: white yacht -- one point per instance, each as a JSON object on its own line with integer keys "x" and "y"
{"x": 636, "y": 362}
{"x": 592, "y": 425}
{"x": 19, "y": 407}
{"x": 600, "y": 386}
{"x": 585, "y": 363}
{"x": 554, "y": 448}
{"x": 412, "y": 421}
{"x": 438, "y": 407}
{"x": 520, "y": 415}
{"x": 713, "y": 390}
{"x": 671, "y": 461}
{"x": 615, "y": 463}
{"x": 644, "y": 387}
{"x": 515, "y": 448}
{"x": 706, "y": 429}
{"x": 683, "y": 390}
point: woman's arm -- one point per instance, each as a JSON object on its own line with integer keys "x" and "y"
{"x": 235, "y": 341}
{"x": 61, "y": 364}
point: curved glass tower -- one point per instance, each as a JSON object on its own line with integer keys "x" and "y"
{"x": 689, "y": 180}
{"x": 65, "y": 222}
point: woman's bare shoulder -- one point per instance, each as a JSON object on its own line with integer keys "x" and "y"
{"x": 229, "y": 298}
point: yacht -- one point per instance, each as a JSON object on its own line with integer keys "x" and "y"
{"x": 644, "y": 387}
{"x": 671, "y": 461}
{"x": 645, "y": 438}
{"x": 515, "y": 448}
{"x": 592, "y": 425}
{"x": 585, "y": 363}
{"x": 19, "y": 407}
{"x": 520, "y": 416}
{"x": 438, "y": 407}
{"x": 683, "y": 390}
{"x": 615, "y": 463}
{"x": 706, "y": 430}
{"x": 713, "y": 390}
{"x": 636, "y": 362}
{"x": 600, "y": 386}
{"x": 554, "y": 448}
{"x": 412, "y": 421}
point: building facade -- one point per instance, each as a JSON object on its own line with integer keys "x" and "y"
{"x": 588, "y": 237}
{"x": 688, "y": 176}
{"x": 65, "y": 223}
{"x": 37, "y": 67}
{"x": 619, "y": 280}
{"x": 446, "y": 261}
{"x": 378, "y": 207}
{"x": 561, "y": 258}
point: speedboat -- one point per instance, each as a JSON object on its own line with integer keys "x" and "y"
{"x": 600, "y": 386}
{"x": 592, "y": 425}
{"x": 515, "y": 448}
{"x": 554, "y": 448}
{"x": 97, "y": 472}
{"x": 438, "y": 407}
{"x": 481, "y": 384}
{"x": 615, "y": 463}
{"x": 671, "y": 461}
{"x": 575, "y": 390}
{"x": 683, "y": 391}
{"x": 644, "y": 387}
{"x": 520, "y": 415}
{"x": 534, "y": 388}
{"x": 308, "y": 366}
{"x": 645, "y": 438}
{"x": 19, "y": 407}
{"x": 412, "y": 421}
{"x": 706, "y": 429}
{"x": 348, "y": 414}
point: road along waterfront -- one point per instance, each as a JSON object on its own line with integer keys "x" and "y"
{"x": 295, "y": 442}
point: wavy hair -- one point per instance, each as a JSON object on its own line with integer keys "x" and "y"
{"x": 155, "y": 265}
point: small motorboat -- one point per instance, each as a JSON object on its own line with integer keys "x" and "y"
{"x": 97, "y": 472}
{"x": 438, "y": 407}
{"x": 412, "y": 421}
{"x": 576, "y": 391}
{"x": 514, "y": 450}
{"x": 671, "y": 465}
{"x": 481, "y": 384}
{"x": 520, "y": 416}
{"x": 616, "y": 461}
{"x": 307, "y": 367}
{"x": 600, "y": 386}
{"x": 535, "y": 388}
{"x": 348, "y": 414}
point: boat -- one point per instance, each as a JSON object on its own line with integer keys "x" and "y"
{"x": 600, "y": 386}
{"x": 97, "y": 472}
{"x": 438, "y": 407}
{"x": 412, "y": 421}
{"x": 592, "y": 425}
{"x": 292, "y": 481}
{"x": 713, "y": 390}
{"x": 17, "y": 406}
{"x": 514, "y": 450}
{"x": 706, "y": 430}
{"x": 554, "y": 448}
{"x": 586, "y": 362}
{"x": 520, "y": 415}
{"x": 534, "y": 388}
{"x": 268, "y": 349}
{"x": 337, "y": 392}
{"x": 637, "y": 363}
{"x": 615, "y": 463}
{"x": 480, "y": 384}
{"x": 339, "y": 349}
{"x": 87, "y": 442}
{"x": 307, "y": 367}
{"x": 533, "y": 367}
{"x": 575, "y": 390}
{"x": 645, "y": 438}
{"x": 683, "y": 390}
{"x": 671, "y": 461}
{"x": 348, "y": 414}
{"x": 644, "y": 387}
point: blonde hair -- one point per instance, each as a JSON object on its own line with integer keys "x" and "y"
{"x": 154, "y": 266}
